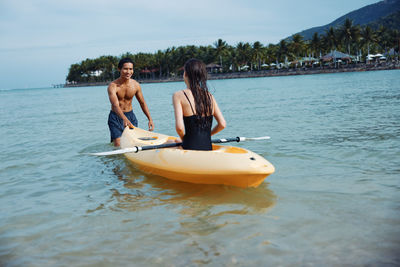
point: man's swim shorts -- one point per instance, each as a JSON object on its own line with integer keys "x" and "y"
{"x": 116, "y": 124}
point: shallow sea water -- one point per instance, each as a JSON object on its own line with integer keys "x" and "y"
{"x": 333, "y": 200}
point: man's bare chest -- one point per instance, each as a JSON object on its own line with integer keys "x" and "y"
{"x": 126, "y": 92}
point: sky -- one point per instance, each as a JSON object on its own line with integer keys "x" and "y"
{"x": 40, "y": 39}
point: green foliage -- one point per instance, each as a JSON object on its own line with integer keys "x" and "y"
{"x": 347, "y": 38}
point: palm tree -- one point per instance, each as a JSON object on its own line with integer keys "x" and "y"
{"x": 368, "y": 36}
{"x": 169, "y": 52}
{"x": 257, "y": 53}
{"x": 395, "y": 40}
{"x": 74, "y": 73}
{"x": 206, "y": 54}
{"x": 86, "y": 68}
{"x": 271, "y": 52}
{"x": 282, "y": 50}
{"x": 220, "y": 50}
{"x": 233, "y": 58}
{"x": 349, "y": 33}
{"x": 297, "y": 45}
{"x": 330, "y": 39}
{"x": 109, "y": 65}
{"x": 179, "y": 58}
{"x": 383, "y": 36}
{"x": 315, "y": 44}
{"x": 191, "y": 51}
{"x": 243, "y": 50}
{"x": 160, "y": 60}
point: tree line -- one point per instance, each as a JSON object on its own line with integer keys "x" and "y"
{"x": 348, "y": 38}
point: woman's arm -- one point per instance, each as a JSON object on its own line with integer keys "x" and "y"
{"x": 221, "y": 123}
{"x": 179, "y": 124}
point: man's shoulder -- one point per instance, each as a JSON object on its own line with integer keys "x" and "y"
{"x": 114, "y": 83}
{"x": 135, "y": 83}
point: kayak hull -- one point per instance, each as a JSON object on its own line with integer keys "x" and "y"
{"x": 225, "y": 165}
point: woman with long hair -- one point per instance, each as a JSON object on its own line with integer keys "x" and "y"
{"x": 195, "y": 108}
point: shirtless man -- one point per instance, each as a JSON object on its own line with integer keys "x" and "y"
{"x": 121, "y": 92}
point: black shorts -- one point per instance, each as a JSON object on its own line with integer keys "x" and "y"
{"x": 116, "y": 123}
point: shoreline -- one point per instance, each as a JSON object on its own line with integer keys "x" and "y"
{"x": 261, "y": 73}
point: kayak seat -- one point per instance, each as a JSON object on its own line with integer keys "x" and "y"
{"x": 229, "y": 149}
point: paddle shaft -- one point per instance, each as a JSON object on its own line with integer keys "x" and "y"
{"x": 214, "y": 141}
{"x": 226, "y": 140}
{"x": 136, "y": 149}
{"x": 140, "y": 148}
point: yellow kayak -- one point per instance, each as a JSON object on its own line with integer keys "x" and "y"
{"x": 227, "y": 165}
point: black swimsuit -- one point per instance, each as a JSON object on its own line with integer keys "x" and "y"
{"x": 196, "y": 137}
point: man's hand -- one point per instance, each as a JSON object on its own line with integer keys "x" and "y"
{"x": 151, "y": 125}
{"x": 128, "y": 123}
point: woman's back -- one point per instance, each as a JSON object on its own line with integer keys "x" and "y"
{"x": 197, "y": 128}
{"x": 188, "y": 103}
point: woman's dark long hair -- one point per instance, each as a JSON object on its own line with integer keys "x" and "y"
{"x": 197, "y": 77}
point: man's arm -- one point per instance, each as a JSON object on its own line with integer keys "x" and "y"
{"x": 112, "y": 95}
{"x": 143, "y": 105}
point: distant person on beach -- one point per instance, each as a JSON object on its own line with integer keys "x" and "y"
{"x": 121, "y": 92}
{"x": 195, "y": 108}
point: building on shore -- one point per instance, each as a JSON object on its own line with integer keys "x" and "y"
{"x": 213, "y": 68}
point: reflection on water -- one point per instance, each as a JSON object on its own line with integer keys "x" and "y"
{"x": 200, "y": 206}
{"x": 196, "y": 196}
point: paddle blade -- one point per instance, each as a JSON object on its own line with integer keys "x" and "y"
{"x": 116, "y": 152}
{"x": 256, "y": 138}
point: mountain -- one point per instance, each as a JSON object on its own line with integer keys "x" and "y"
{"x": 385, "y": 13}
{"x": 391, "y": 21}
